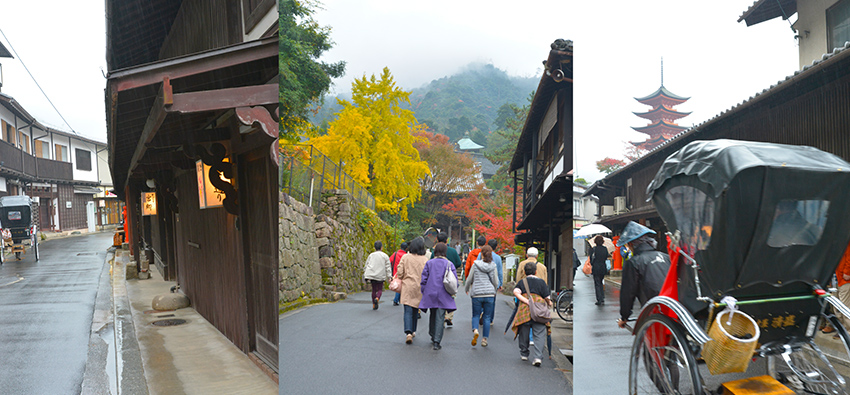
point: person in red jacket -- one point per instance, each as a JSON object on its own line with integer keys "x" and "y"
{"x": 394, "y": 259}
{"x": 473, "y": 255}
{"x": 842, "y": 273}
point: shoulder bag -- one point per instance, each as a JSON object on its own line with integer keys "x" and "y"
{"x": 539, "y": 311}
{"x": 450, "y": 280}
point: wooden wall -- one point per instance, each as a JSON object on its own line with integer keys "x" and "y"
{"x": 211, "y": 268}
{"x": 201, "y": 25}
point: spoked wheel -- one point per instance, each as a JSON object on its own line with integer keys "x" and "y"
{"x": 565, "y": 306}
{"x": 661, "y": 360}
{"x": 35, "y": 246}
{"x": 806, "y": 368}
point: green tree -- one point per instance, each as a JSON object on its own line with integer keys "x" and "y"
{"x": 303, "y": 78}
{"x": 372, "y": 139}
{"x": 581, "y": 181}
{"x": 502, "y": 144}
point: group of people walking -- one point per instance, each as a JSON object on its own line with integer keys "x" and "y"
{"x": 429, "y": 282}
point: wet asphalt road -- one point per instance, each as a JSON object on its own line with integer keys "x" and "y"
{"x": 46, "y": 310}
{"x": 602, "y": 349}
{"x": 346, "y": 347}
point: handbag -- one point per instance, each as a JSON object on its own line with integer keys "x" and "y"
{"x": 450, "y": 280}
{"x": 395, "y": 285}
{"x": 539, "y": 312}
{"x": 586, "y": 268}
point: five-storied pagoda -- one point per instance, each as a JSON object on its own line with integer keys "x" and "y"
{"x": 662, "y": 117}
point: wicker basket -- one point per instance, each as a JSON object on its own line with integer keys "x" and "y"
{"x": 733, "y": 343}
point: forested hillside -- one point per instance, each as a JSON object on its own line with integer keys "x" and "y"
{"x": 467, "y": 101}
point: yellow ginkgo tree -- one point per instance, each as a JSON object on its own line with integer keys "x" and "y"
{"x": 372, "y": 139}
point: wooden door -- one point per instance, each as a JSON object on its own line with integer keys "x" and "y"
{"x": 258, "y": 190}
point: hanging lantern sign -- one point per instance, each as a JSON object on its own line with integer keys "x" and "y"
{"x": 148, "y": 203}
{"x": 208, "y": 195}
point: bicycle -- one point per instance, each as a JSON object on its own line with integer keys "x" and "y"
{"x": 564, "y": 304}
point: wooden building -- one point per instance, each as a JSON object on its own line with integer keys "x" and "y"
{"x": 191, "y": 106}
{"x": 542, "y": 164}
{"x": 810, "y": 107}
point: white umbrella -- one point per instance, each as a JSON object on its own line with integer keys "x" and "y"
{"x": 592, "y": 229}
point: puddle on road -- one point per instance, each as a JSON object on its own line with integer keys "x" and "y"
{"x": 108, "y": 336}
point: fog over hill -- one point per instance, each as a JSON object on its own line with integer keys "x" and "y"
{"x": 464, "y": 102}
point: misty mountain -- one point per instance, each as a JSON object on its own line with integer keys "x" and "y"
{"x": 467, "y": 101}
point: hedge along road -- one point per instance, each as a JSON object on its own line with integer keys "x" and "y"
{"x": 346, "y": 347}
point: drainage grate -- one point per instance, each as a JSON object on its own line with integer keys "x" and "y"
{"x": 165, "y": 316}
{"x": 86, "y": 253}
{"x": 169, "y": 322}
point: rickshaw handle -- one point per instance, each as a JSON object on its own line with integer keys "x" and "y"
{"x": 837, "y": 305}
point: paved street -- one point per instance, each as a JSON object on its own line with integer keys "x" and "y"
{"x": 346, "y": 347}
{"x": 46, "y": 314}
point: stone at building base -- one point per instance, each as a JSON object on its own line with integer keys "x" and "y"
{"x": 335, "y": 296}
{"x": 616, "y": 273}
{"x": 132, "y": 270}
{"x": 171, "y": 301}
{"x": 144, "y": 275}
{"x": 125, "y": 246}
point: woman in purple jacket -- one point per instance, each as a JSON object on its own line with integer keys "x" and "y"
{"x": 434, "y": 294}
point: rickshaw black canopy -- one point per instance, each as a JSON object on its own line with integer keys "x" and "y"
{"x": 755, "y": 213}
{"x": 15, "y": 211}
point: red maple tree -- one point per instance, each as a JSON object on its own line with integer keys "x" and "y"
{"x": 490, "y": 215}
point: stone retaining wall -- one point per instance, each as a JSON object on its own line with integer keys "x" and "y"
{"x": 299, "y": 257}
{"x": 323, "y": 255}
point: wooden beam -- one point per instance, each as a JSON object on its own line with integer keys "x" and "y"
{"x": 152, "y": 124}
{"x": 177, "y": 139}
{"x": 203, "y": 62}
{"x": 224, "y": 99}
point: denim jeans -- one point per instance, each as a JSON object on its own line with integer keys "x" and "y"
{"x": 411, "y": 316}
{"x": 486, "y": 305}
{"x": 397, "y": 298}
{"x": 436, "y": 324}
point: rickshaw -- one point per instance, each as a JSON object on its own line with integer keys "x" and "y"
{"x": 17, "y": 217}
{"x": 759, "y": 229}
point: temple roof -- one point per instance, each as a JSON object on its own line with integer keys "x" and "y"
{"x": 466, "y": 144}
{"x": 662, "y": 91}
{"x": 659, "y": 126}
{"x": 662, "y": 110}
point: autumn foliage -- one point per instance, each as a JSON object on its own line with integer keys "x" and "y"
{"x": 609, "y": 165}
{"x": 488, "y": 215}
{"x": 373, "y": 140}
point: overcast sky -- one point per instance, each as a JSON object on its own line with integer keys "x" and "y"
{"x": 63, "y": 43}
{"x": 708, "y": 56}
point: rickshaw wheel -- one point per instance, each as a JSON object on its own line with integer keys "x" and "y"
{"x": 661, "y": 361}
{"x": 812, "y": 363}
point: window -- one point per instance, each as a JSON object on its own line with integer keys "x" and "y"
{"x": 83, "y": 159}
{"x": 576, "y": 208}
{"x": 61, "y": 153}
{"x": 797, "y": 222}
{"x": 838, "y": 24}
{"x": 40, "y": 149}
{"x": 25, "y": 142}
{"x": 8, "y": 133}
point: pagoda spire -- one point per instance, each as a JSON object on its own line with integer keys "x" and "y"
{"x": 662, "y": 71}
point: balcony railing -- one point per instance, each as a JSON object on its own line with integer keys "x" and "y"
{"x": 14, "y": 159}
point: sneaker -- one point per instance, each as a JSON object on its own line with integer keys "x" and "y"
{"x": 409, "y": 338}
{"x": 835, "y": 336}
{"x": 395, "y": 303}
{"x": 448, "y": 322}
{"x": 414, "y": 334}
{"x": 524, "y": 358}
{"x": 828, "y": 329}
{"x": 531, "y": 343}
{"x": 537, "y": 362}
{"x": 484, "y": 342}
{"x": 437, "y": 346}
{"x": 375, "y": 304}
{"x": 475, "y": 337}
